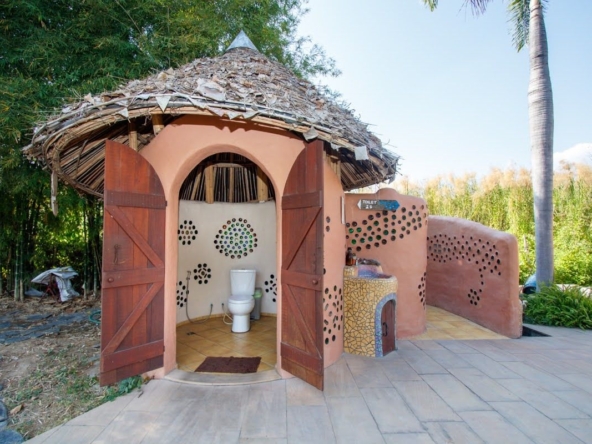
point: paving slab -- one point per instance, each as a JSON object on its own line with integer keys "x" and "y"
{"x": 452, "y": 432}
{"x": 265, "y": 415}
{"x": 493, "y": 428}
{"x": 544, "y": 379}
{"x": 582, "y": 428}
{"x": 353, "y": 422}
{"x": 455, "y": 394}
{"x": 309, "y": 424}
{"x": 424, "y": 402}
{"x": 545, "y": 402}
{"x": 482, "y": 385}
{"x": 390, "y": 411}
{"x": 534, "y": 424}
{"x": 408, "y": 438}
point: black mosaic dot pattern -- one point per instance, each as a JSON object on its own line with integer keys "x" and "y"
{"x": 481, "y": 254}
{"x": 270, "y": 286}
{"x": 202, "y": 274}
{"x": 333, "y": 308}
{"x": 236, "y": 238}
{"x": 186, "y": 232}
{"x": 421, "y": 287}
{"x": 382, "y": 228}
{"x": 181, "y": 294}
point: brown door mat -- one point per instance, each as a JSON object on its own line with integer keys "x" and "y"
{"x": 229, "y": 365}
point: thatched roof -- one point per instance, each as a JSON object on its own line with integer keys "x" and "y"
{"x": 242, "y": 84}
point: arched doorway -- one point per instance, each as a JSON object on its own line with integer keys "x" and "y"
{"x": 227, "y": 220}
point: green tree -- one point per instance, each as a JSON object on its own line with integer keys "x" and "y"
{"x": 527, "y": 17}
{"x": 55, "y": 51}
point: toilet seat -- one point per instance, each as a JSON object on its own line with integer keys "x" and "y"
{"x": 240, "y": 298}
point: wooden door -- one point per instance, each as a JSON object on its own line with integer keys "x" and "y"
{"x": 387, "y": 320}
{"x": 302, "y": 267}
{"x": 132, "y": 320}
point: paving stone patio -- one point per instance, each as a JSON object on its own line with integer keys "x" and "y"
{"x": 535, "y": 389}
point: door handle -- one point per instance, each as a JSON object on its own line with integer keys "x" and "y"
{"x": 384, "y": 329}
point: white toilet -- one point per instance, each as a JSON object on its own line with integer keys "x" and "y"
{"x": 241, "y": 301}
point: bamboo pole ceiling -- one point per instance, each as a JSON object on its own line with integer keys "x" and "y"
{"x": 241, "y": 85}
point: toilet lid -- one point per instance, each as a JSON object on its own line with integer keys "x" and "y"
{"x": 240, "y": 298}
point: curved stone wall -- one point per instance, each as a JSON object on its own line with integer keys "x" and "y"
{"x": 472, "y": 271}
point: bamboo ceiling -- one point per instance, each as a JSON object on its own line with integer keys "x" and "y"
{"x": 242, "y": 84}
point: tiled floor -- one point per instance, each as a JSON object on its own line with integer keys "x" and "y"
{"x": 444, "y": 325}
{"x": 533, "y": 389}
{"x": 213, "y": 338}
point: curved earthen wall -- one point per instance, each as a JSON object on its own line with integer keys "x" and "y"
{"x": 472, "y": 271}
{"x": 334, "y": 260}
{"x": 397, "y": 239}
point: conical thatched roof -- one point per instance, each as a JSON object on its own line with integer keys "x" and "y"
{"x": 241, "y": 84}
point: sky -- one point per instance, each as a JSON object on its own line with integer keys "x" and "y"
{"x": 447, "y": 90}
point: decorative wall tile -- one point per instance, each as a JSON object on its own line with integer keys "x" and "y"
{"x": 385, "y": 226}
{"x": 202, "y": 274}
{"x": 181, "y": 294}
{"x": 186, "y": 232}
{"x": 271, "y": 287}
{"x": 481, "y": 254}
{"x": 333, "y": 313}
{"x": 236, "y": 238}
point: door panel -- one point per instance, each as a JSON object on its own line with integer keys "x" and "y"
{"x": 302, "y": 267}
{"x": 132, "y": 320}
{"x": 388, "y": 328}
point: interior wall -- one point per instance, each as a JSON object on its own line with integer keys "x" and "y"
{"x": 473, "y": 272}
{"x": 208, "y": 251}
{"x": 397, "y": 239}
{"x": 334, "y": 261}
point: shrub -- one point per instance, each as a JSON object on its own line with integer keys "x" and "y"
{"x": 560, "y": 308}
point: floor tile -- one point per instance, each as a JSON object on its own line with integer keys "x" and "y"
{"x": 353, "y": 422}
{"x": 581, "y": 428}
{"x": 390, "y": 411}
{"x": 408, "y": 438}
{"x": 493, "y": 428}
{"x": 265, "y": 414}
{"x": 452, "y": 432}
{"x": 545, "y": 402}
{"x": 455, "y": 394}
{"x": 424, "y": 402}
{"x": 309, "y": 424}
{"x": 533, "y": 423}
{"x": 483, "y": 386}
{"x": 545, "y": 380}
{"x": 339, "y": 382}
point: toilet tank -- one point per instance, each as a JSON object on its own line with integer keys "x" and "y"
{"x": 242, "y": 282}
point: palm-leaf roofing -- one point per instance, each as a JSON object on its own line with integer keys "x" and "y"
{"x": 241, "y": 85}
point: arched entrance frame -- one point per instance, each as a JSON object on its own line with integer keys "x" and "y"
{"x": 176, "y": 151}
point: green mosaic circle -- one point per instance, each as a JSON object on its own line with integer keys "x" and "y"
{"x": 236, "y": 239}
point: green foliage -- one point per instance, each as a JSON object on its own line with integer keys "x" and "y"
{"x": 52, "y": 52}
{"x": 504, "y": 200}
{"x": 562, "y": 308}
{"x": 124, "y": 387}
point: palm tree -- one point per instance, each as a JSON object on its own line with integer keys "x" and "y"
{"x": 529, "y": 28}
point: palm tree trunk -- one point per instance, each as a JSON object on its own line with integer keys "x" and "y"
{"x": 540, "y": 109}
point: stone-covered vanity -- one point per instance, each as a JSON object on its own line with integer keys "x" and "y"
{"x": 370, "y": 298}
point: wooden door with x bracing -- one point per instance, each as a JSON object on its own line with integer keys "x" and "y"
{"x": 132, "y": 319}
{"x": 302, "y": 267}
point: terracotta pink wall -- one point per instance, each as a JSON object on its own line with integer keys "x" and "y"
{"x": 401, "y": 250}
{"x": 177, "y": 150}
{"x": 334, "y": 261}
{"x": 473, "y": 272}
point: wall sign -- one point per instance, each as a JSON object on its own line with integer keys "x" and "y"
{"x": 374, "y": 204}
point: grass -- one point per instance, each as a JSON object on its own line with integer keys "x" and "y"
{"x": 557, "y": 307}
{"x": 59, "y": 389}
